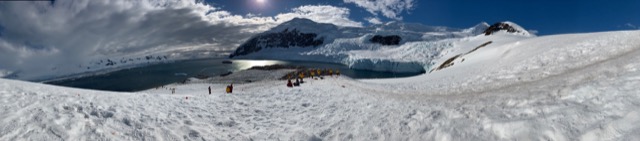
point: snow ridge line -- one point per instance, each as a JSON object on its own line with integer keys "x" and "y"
{"x": 578, "y": 72}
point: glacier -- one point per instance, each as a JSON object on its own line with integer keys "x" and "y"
{"x": 416, "y": 52}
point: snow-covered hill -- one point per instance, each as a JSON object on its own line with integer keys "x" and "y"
{"x": 498, "y": 87}
{"x": 405, "y": 47}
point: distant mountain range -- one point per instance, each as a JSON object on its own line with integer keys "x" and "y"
{"x": 305, "y": 40}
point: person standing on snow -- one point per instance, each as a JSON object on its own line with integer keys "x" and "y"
{"x": 301, "y": 76}
{"x": 209, "y": 90}
{"x": 289, "y": 84}
{"x": 297, "y": 83}
{"x": 230, "y": 88}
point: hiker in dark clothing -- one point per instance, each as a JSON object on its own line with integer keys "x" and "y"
{"x": 297, "y": 83}
{"x": 209, "y": 89}
{"x": 289, "y": 84}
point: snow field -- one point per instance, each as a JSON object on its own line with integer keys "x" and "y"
{"x": 562, "y": 87}
{"x": 312, "y": 111}
{"x": 324, "y": 110}
{"x": 507, "y": 60}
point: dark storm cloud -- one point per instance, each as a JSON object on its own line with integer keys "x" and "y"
{"x": 1, "y": 29}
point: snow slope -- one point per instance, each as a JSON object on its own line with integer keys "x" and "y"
{"x": 561, "y": 87}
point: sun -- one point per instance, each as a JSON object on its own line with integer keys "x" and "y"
{"x": 261, "y": 1}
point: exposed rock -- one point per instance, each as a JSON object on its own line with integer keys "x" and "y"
{"x": 450, "y": 62}
{"x": 285, "y": 39}
{"x": 386, "y": 40}
{"x": 500, "y": 26}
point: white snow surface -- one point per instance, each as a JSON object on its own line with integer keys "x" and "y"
{"x": 560, "y": 87}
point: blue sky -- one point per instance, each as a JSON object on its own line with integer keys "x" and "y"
{"x": 546, "y": 16}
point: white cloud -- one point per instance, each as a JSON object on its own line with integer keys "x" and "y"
{"x": 321, "y": 13}
{"x": 632, "y": 26}
{"x": 373, "y": 20}
{"x": 37, "y": 35}
{"x": 388, "y": 8}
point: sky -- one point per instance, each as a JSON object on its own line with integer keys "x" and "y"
{"x": 37, "y": 35}
{"x": 545, "y": 16}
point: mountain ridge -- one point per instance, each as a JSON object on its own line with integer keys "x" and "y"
{"x": 352, "y": 46}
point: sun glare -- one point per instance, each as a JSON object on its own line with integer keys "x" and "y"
{"x": 261, "y": 1}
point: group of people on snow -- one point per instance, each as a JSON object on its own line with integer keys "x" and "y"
{"x": 299, "y": 79}
{"x": 313, "y": 74}
{"x": 173, "y": 90}
{"x": 229, "y": 89}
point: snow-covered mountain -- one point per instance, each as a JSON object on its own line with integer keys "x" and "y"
{"x": 394, "y": 46}
{"x": 508, "y": 27}
{"x": 503, "y": 86}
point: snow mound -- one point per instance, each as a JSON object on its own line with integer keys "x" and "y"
{"x": 509, "y": 60}
{"x": 477, "y": 29}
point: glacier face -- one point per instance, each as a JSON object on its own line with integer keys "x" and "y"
{"x": 391, "y": 47}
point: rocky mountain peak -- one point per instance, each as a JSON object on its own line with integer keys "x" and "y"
{"x": 509, "y": 27}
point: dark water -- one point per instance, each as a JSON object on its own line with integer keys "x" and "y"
{"x": 142, "y": 78}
